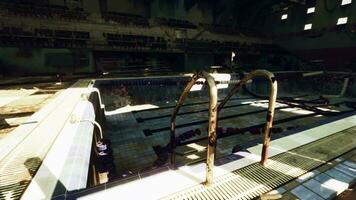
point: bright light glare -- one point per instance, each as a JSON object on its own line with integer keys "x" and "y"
{"x": 284, "y": 17}
{"x": 9, "y": 195}
{"x": 221, "y": 77}
{"x": 248, "y": 155}
{"x": 193, "y": 157}
{"x": 328, "y": 109}
{"x": 197, "y": 146}
{"x": 335, "y": 185}
{"x": 232, "y": 56}
{"x": 297, "y": 111}
{"x": 263, "y": 104}
{"x": 308, "y": 26}
{"x": 313, "y": 73}
{"x": 311, "y": 10}
{"x": 345, "y": 2}
{"x": 129, "y": 108}
{"x": 217, "y": 77}
{"x": 197, "y": 87}
{"x": 284, "y": 168}
{"x": 342, "y": 20}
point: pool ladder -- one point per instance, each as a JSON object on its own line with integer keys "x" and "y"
{"x": 213, "y": 115}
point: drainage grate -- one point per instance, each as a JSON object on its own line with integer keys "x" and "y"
{"x": 254, "y": 180}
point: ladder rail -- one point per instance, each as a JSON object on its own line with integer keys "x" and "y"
{"x": 213, "y": 98}
{"x": 271, "y": 105}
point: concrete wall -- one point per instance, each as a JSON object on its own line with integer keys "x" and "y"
{"x": 198, "y": 13}
{"x": 322, "y": 18}
{"x": 167, "y": 9}
{"x": 21, "y": 62}
{"x": 333, "y": 47}
{"x": 91, "y": 6}
{"x": 56, "y": 2}
{"x": 196, "y": 62}
{"x": 16, "y": 61}
{"x": 129, "y": 6}
{"x": 325, "y": 16}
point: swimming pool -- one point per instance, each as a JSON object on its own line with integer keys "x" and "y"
{"x": 138, "y": 112}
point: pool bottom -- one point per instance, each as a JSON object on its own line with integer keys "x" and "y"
{"x": 136, "y": 151}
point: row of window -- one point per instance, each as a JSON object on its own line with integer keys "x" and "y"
{"x": 340, "y": 21}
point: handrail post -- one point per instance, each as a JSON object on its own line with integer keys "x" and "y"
{"x": 269, "y": 119}
{"x": 175, "y": 112}
{"x": 271, "y": 105}
{"x": 212, "y": 121}
{"x": 213, "y": 99}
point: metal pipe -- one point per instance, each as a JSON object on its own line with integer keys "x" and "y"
{"x": 96, "y": 124}
{"x": 213, "y": 99}
{"x": 212, "y": 121}
{"x": 271, "y": 105}
{"x": 75, "y": 119}
{"x": 175, "y": 112}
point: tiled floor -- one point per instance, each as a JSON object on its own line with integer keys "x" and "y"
{"x": 325, "y": 182}
{"x": 133, "y": 150}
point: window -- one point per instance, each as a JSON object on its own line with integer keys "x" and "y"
{"x": 311, "y": 10}
{"x": 345, "y": 2}
{"x": 308, "y": 26}
{"x": 342, "y": 20}
{"x": 284, "y": 17}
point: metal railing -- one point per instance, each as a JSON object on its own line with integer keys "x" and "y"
{"x": 271, "y": 105}
{"x": 213, "y": 98}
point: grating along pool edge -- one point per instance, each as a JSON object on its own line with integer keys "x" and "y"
{"x": 254, "y": 180}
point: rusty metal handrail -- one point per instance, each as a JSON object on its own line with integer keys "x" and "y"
{"x": 271, "y": 105}
{"x": 213, "y": 98}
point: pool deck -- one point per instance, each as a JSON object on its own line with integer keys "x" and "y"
{"x": 171, "y": 181}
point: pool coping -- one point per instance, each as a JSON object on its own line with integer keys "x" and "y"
{"x": 43, "y": 131}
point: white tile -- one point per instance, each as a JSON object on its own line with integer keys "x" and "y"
{"x": 332, "y": 183}
{"x": 307, "y": 176}
{"x": 350, "y": 164}
{"x": 339, "y": 176}
{"x": 346, "y": 170}
{"x": 305, "y": 194}
{"x": 279, "y": 190}
{"x": 320, "y": 189}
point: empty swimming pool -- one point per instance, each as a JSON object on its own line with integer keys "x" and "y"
{"x": 138, "y": 113}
